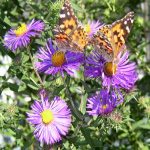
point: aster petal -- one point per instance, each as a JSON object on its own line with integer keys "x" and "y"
{"x": 35, "y": 27}
{"x": 94, "y": 27}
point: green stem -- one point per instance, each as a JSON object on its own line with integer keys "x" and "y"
{"x": 87, "y": 137}
{"x": 76, "y": 112}
{"x": 36, "y": 72}
{"x": 47, "y": 147}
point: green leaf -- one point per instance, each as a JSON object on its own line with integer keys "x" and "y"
{"x": 144, "y": 124}
{"x": 12, "y": 86}
{"x": 24, "y": 58}
{"x": 7, "y": 21}
{"x": 30, "y": 83}
{"x": 10, "y": 132}
{"x": 83, "y": 103}
{"x": 22, "y": 87}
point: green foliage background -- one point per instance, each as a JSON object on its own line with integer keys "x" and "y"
{"x": 133, "y": 132}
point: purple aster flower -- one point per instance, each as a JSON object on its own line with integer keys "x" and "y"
{"x": 122, "y": 73}
{"x": 21, "y": 37}
{"x": 52, "y": 61}
{"x": 94, "y": 65}
{"x": 51, "y": 120}
{"x": 104, "y": 102}
{"x": 92, "y": 27}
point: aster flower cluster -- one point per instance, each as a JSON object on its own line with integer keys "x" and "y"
{"x": 52, "y": 119}
{"x": 114, "y": 76}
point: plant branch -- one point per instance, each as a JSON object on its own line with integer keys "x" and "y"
{"x": 76, "y": 112}
{"x": 35, "y": 70}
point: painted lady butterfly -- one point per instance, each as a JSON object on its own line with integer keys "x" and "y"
{"x": 69, "y": 34}
{"x": 110, "y": 39}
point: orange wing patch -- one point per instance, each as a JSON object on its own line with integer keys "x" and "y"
{"x": 79, "y": 37}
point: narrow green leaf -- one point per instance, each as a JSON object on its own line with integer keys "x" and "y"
{"x": 83, "y": 103}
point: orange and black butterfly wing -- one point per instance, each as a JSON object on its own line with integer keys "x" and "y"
{"x": 67, "y": 20}
{"x": 68, "y": 33}
{"x": 102, "y": 45}
{"x": 79, "y": 39}
{"x": 66, "y": 24}
{"x": 111, "y": 38}
{"x": 118, "y": 31}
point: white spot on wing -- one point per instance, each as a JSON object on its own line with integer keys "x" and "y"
{"x": 127, "y": 28}
{"x": 125, "y": 22}
{"x": 63, "y": 8}
{"x": 68, "y": 13}
{"x": 62, "y": 15}
{"x": 131, "y": 21}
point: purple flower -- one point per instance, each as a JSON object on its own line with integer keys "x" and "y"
{"x": 104, "y": 102}
{"x": 52, "y": 61}
{"x": 92, "y": 27}
{"x": 21, "y": 37}
{"x": 51, "y": 120}
{"x": 121, "y": 73}
{"x": 94, "y": 65}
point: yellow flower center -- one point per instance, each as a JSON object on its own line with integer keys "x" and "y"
{"x": 21, "y": 30}
{"x": 87, "y": 28}
{"x": 58, "y": 58}
{"x": 110, "y": 68}
{"x": 104, "y": 106}
{"x": 47, "y": 116}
